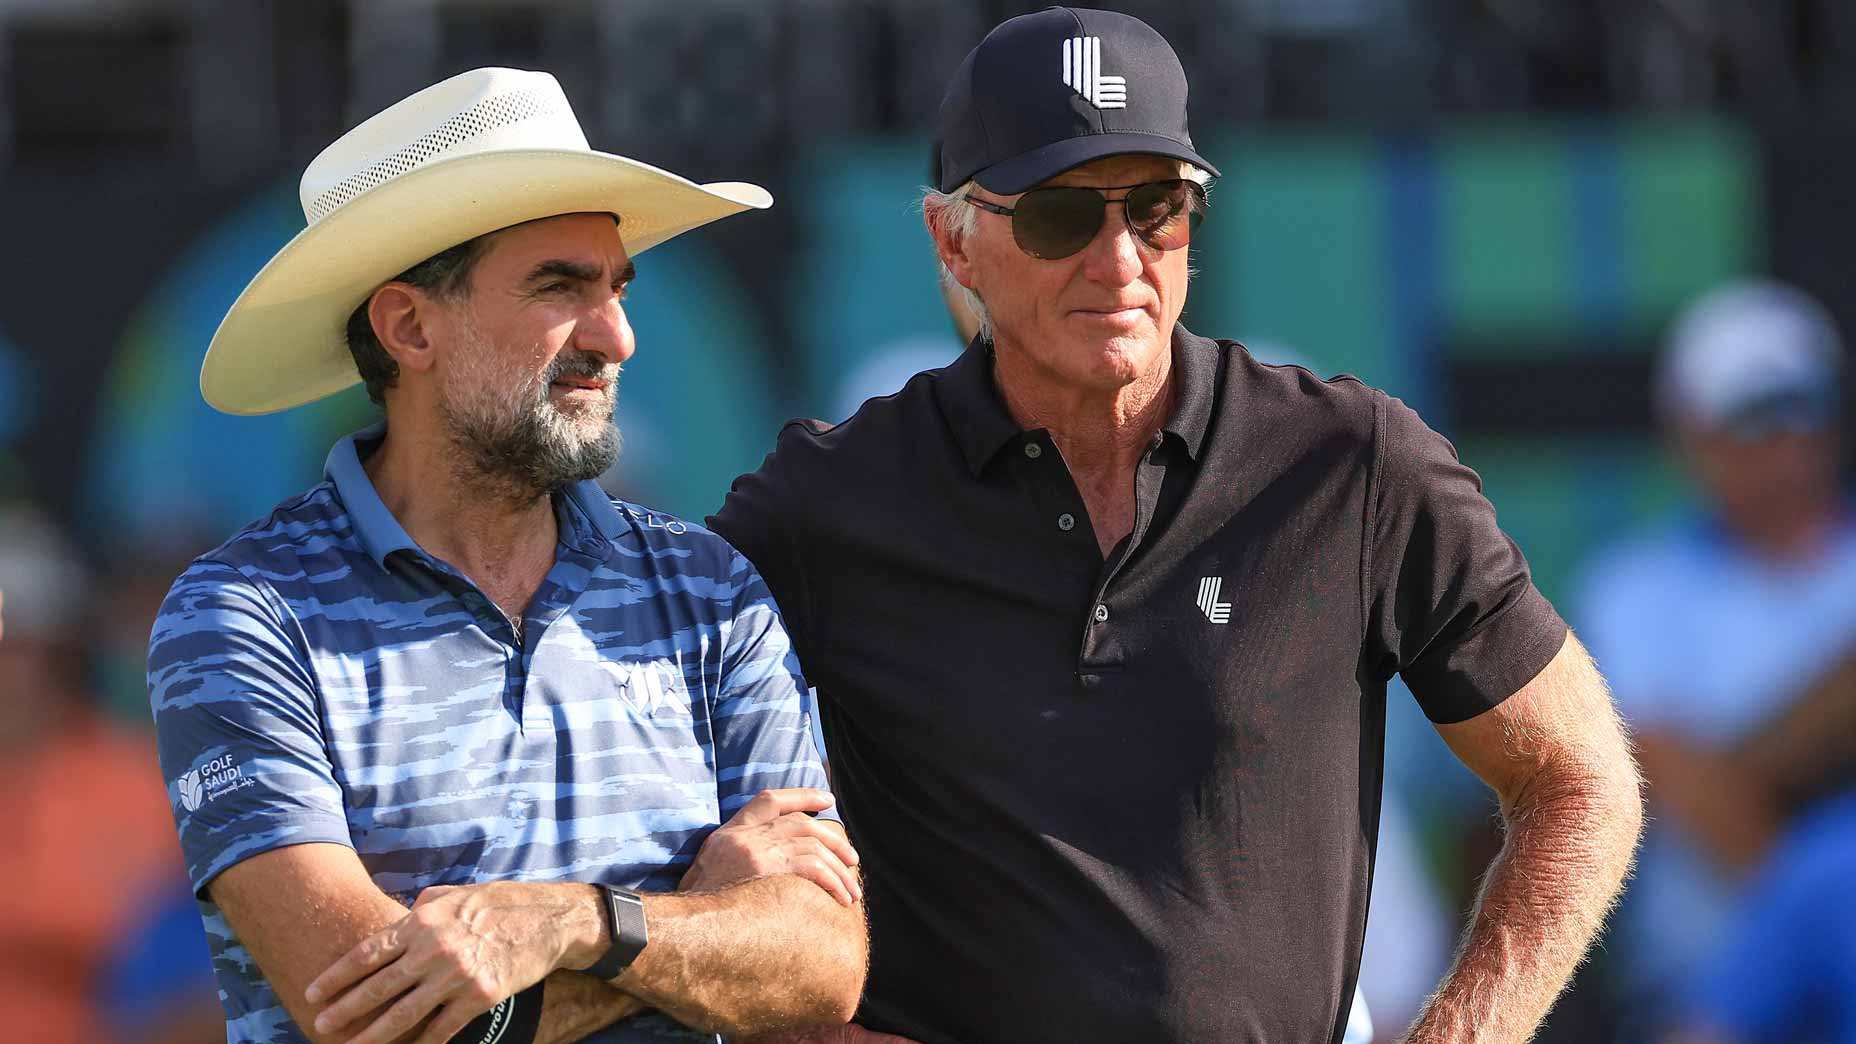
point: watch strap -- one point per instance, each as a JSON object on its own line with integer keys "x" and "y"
{"x": 625, "y": 926}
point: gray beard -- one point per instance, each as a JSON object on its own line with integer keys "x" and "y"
{"x": 514, "y": 443}
{"x": 524, "y": 454}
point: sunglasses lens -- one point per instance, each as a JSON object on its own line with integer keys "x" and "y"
{"x": 1056, "y": 222}
{"x": 1163, "y": 213}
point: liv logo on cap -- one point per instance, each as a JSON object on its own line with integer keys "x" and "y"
{"x": 1082, "y": 70}
{"x": 1033, "y": 100}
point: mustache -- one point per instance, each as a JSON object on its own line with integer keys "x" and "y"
{"x": 584, "y": 366}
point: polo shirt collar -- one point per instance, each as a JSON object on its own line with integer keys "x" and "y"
{"x": 596, "y": 507}
{"x": 982, "y": 425}
{"x": 1196, "y": 362}
{"x": 972, "y": 406}
{"x": 381, "y": 534}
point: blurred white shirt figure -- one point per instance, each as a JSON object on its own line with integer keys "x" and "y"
{"x": 1710, "y": 627}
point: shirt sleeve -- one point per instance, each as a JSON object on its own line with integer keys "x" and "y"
{"x": 763, "y": 736}
{"x": 1450, "y": 602}
{"x": 237, "y": 723}
{"x": 754, "y": 519}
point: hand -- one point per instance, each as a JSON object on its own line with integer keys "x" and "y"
{"x": 773, "y": 835}
{"x": 458, "y": 953}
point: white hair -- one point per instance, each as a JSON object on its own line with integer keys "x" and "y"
{"x": 950, "y": 215}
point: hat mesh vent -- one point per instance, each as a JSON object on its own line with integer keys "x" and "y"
{"x": 488, "y": 114}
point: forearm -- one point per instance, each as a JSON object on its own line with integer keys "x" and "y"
{"x": 770, "y": 954}
{"x": 575, "y": 1005}
{"x": 1568, "y": 848}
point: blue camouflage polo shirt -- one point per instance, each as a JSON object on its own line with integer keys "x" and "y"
{"x": 320, "y": 678}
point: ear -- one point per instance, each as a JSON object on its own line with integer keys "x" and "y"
{"x": 953, "y": 254}
{"x": 403, "y": 317}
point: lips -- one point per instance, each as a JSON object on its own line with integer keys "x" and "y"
{"x": 580, "y": 383}
{"x": 1129, "y": 313}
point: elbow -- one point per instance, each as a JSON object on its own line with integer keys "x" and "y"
{"x": 1599, "y": 799}
{"x": 1631, "y": 798}
{"x": 1609, "y": 803}
{"x": 820, "y": 978}
{"x": 840, "y": 961}
{"x": 1623, "y": 797}
{"x": 844, "y": 982}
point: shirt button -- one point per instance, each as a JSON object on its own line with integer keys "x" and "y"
{"x": 1090, "y": 681}
{"x": 1101, "y": 613}
{"x": 1033, "y": 450}
{"x": 1066, "y": 521}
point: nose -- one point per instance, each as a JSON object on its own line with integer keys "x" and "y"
{"x": 1113, "y": 257}
{"x": 606, "y": 332}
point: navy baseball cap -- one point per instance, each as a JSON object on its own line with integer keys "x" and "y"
{"x": 1049, "y": 91}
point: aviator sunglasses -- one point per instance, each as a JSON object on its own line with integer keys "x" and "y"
{"x": 1053, "y": 223}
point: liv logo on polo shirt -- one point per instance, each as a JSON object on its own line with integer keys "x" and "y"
{"x": 203, "y": 783}
{"x": 1082, "y": 70}
{"x": 1215, "y": 611}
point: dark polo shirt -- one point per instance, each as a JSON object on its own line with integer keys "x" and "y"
{"x": 1132, "y": 800}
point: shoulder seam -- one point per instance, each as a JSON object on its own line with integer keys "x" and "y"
{"x": 286, "y": 623}
{"x": 808, "y": 620}
{"x": 1369, "y": 510}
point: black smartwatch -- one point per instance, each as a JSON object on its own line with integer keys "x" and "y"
{"x": 625, "y": 926}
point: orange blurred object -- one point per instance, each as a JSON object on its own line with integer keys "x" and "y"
{"x": 92, "y": 841}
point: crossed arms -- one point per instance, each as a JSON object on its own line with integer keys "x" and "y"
{"x": 766, "y": 934}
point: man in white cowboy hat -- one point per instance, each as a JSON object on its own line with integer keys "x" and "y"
{"x": 456, "y": 675}
{"x": 1103, "y": 613}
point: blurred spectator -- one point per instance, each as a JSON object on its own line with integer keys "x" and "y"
{"x": 91, "y": 837}
{"x": 1728, "y": 638}
{"x": 156, "y": 986}
{"x": 1787, "y": 971}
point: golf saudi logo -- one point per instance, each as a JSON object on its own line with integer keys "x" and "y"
{"x": 190, "y": 790}
{"x": 216, "y": 778}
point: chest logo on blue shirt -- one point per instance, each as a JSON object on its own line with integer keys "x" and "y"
{"x": 653, "y": 688}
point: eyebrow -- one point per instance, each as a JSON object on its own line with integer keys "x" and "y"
{"x": 578, "y": 271}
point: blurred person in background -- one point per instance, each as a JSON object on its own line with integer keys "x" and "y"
{"x": 156, "y": 985}
{"x": 1102, "y": 616}
{"x": 456, "y": 675}
{"x": 90, "y": 847}
{"x": 156, "y": 982}
{"x": 1785, "y": 970}
{"x": 1730, "y": 637}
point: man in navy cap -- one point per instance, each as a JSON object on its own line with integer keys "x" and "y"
{"x": 1102, "y": 615}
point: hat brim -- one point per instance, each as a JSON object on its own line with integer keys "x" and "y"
{"x": 284, "y": 341}
{"x": 1009, "y": 177}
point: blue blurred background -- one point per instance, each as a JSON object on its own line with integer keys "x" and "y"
{"x": 1491, "y": 208}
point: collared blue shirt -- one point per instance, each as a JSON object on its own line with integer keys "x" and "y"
{"x": 321, "y": 678}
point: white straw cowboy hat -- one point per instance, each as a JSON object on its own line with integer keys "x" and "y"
{"x": 481, "y": 151}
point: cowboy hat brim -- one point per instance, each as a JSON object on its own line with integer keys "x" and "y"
{"x": 284, "y": 341}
